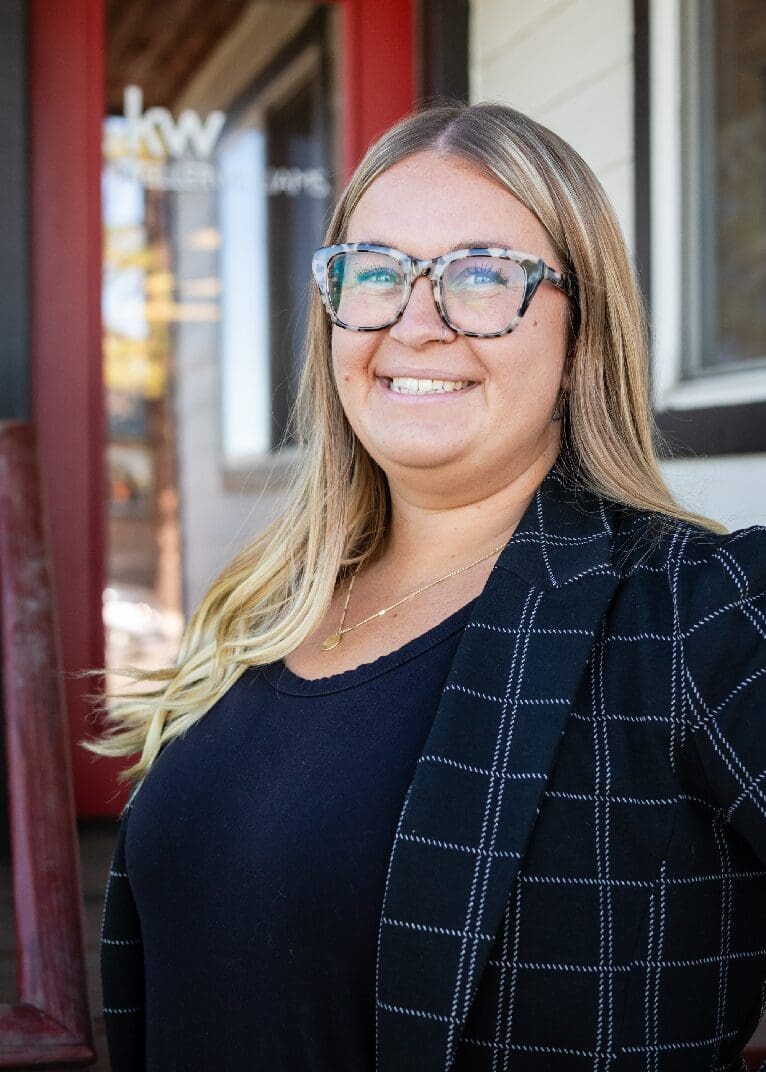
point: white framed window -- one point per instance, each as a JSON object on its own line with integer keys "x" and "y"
{"x": 708, "y": 194}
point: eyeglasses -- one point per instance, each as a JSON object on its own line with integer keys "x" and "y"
{"x": 481, "y": 291}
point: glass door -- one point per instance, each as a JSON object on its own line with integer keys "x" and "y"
{"x": 220, "y": 164}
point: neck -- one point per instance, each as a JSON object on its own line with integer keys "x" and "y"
{"x": 429, "y": 534}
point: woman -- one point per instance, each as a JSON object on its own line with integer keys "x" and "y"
{"x": 462, "y": 760}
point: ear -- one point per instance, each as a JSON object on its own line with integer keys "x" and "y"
{"x": 566, "y": 377}
{"x": 569, "y": 358}
{"x": 573, "y": 331}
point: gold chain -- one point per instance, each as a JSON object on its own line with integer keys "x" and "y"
{"x": 334, "y": 639}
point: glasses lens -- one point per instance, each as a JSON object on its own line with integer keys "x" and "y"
{"x": 483, "y": 294}
{"x": 366, "y": 290}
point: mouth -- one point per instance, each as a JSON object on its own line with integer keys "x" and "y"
{"x": 405, "y": 387}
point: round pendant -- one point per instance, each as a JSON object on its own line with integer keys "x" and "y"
{"x": 332, "y": 641}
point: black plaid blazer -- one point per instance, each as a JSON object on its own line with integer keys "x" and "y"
{"x": 578, "y": 875}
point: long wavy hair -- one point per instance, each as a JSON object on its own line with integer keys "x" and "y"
{"x": 278, "y": 588}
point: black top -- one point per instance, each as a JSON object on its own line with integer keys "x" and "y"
{"x": 257, "y": 852}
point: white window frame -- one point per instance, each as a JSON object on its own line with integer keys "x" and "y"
{"x": 674, "y": 326}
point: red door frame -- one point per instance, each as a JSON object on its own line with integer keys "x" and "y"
{"x": 379, "y": 50}
{"x": 66, "y": 76}
{"x": 66, "y": 107}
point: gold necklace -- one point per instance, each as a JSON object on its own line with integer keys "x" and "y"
{"x": 334, "y": 639}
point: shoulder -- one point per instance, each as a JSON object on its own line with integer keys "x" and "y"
{"x": 720, "y": 641}
{"x": 691, "y": 555}
{"x": 726, "y": 570}
{"x": 685, "y": 575}
{"x": 707, "y": 588}
{"x": 722, "y": 600}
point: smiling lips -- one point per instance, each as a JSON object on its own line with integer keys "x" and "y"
{"x": 421, "y": 386}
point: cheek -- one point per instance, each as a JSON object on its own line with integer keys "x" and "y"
{"x": 351, "y": 353}
{"x": 528, "y": 363}
{"x": 542, "y": 344}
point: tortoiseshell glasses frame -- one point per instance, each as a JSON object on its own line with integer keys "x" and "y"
{"x": 536, "y": 271}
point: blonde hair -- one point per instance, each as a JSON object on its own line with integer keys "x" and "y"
{"x": 277, "y": 590}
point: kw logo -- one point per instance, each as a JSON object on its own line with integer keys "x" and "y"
{"x": 162, "y": 135}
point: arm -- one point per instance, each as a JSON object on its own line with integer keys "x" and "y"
{"x": 122, "y": 965}
{"x": 724, "y": 631}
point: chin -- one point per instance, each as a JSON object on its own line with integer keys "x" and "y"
{"x": 425, "y": 457}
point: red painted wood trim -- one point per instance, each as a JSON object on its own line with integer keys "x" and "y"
{"x": 66, "y": 68}
{"x": 29, "y": 1036}
{"x": 378, "y": 71}
{"x": 51, "y": 1020}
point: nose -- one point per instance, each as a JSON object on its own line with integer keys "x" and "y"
{"x": 420, "y": 323}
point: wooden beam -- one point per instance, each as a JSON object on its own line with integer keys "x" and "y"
{"x": 378, "y": 50}
{"x": 66, "y": 111}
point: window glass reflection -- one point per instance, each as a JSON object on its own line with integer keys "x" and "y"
{"x": 218, "y": 172}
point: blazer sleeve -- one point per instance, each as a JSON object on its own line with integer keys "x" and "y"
{"x": 724, "y": 644}
{"x": 122, "y": 964}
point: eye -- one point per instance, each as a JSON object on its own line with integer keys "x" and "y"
{"x": 379, "y": 274}
{"x": 479, "y": 275}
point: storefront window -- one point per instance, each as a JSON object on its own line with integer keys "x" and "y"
{"x": 726, "y": 184}
{"x": 244, "y": 285}
{"x": 218, "y": 176}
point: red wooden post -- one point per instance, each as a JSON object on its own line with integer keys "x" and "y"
{"x": 379, "y": 62}
{"x": 50, "y": 1021}
{"x": 66, "y": 109}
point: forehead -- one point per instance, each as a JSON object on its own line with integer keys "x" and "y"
{"x": 428, "y": 204}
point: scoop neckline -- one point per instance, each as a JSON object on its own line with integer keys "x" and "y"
{"x": 284, "y": 680}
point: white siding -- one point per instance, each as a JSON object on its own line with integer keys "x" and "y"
{"x": 732, "y": 488}
{"x": 568, "y": 64}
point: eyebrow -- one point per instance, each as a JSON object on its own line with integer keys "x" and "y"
{"x": 468, "y": 243}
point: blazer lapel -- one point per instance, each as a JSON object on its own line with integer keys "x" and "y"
{"x": 471, "y": 807}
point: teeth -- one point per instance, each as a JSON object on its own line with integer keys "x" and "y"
{"x": 407, "y": 385}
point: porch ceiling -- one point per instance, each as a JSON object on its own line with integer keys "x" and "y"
{"x": 154, "y": 44}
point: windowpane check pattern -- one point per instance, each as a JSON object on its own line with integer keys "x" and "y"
{"x": 578, "y": 875}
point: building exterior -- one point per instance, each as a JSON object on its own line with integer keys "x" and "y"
{"x": 665, "y": 100}
{"x": 171, "y": 165}
{"x": 168, "y": 167}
